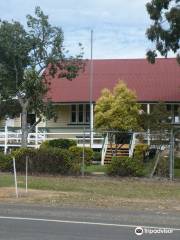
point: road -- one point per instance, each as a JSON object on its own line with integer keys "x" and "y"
{"x": 27, "y": 222}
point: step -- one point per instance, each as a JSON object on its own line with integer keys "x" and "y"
{"x": 118, "y": 145}
{"x": 110, "y": 152}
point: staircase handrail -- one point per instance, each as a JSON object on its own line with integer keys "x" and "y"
{"x": 104, "y": 149}
{"x": 132, "y": 144}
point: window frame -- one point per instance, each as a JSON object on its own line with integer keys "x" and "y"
{"x": 77, "y": 110}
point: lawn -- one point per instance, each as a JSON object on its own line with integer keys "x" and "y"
{"x": 95, "y": 191}
{"x": 95, "y": 168}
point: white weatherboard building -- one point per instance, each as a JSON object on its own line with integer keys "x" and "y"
{"x": 152, "y": 84}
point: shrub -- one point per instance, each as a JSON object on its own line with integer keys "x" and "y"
{"x": 75, "y": 168}
{"x": 5, "y": 162}
{"x": 59, "y": 143}
{"x": 141, "y": 151}
{"x": 97, "y": 157}
{"x": 125, "y": 166}
{"x": 177, "y": 163}
{"x": 77, "y": 154}
{"x": 45, "y": 160}
{"x": 162, "y": 169}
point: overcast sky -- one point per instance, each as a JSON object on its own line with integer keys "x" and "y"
{"x": 119, "y": 26}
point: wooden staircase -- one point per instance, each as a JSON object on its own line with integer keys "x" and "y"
{"x": 122, "y": 150}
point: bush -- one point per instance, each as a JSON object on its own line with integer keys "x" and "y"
{"x": 77, "y": 154}
{"x": 141, "y": 151}
{"x": 97, "y": 157}
{"x": 125, "y": 166}
{"x": 59, "y": 143}
{"x": 5, "y": 162}
{"x": 50, "y": 161}
{"x": 162, "y": 169}
{"x": 177, "y": 163}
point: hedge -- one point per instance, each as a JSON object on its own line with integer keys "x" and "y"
{"x": 77, "y": 154}
{"x": 125, "y": 166}
{"x": 59, "y": 143}
{"x": 5, "y": 162}
{"x": 50, "y": 161}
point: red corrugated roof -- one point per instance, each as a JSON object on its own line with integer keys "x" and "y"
{"x": 152, "y": 82}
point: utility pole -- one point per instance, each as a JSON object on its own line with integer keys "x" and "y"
{"x": 91, "y": 93}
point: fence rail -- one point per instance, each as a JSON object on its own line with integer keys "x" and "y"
{"x": 10, "y": 139}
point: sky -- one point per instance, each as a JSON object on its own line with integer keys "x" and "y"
{"x": 119, "y": 26}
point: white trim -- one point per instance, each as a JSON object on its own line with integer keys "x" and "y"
{"x": 91, "y": 124}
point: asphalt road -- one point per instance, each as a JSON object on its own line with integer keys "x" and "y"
{"x": 27, "y": 222}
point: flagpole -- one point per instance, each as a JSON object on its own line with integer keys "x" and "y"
{"x": 91, "y": 93}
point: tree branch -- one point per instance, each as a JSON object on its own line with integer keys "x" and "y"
{"x": 35, "y": 124}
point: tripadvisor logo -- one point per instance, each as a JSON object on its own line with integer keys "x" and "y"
{"x": 145, "y": 230}
{"x": 139, "y": 231}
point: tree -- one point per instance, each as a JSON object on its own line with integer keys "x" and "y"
{"x": 165, "y": 30}
{"x": 24, "y": 56}
{"x": 159, "y": 124}
{"x": 117, "y": 110}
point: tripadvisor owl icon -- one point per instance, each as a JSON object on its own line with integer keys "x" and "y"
{"x": 139, "y": 231}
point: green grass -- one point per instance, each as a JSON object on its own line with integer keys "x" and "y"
{"x": 95, "y": 168}
{"x": 127, "y": 188}
{"x": 177, "y": 173}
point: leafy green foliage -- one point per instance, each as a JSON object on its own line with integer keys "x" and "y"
{"x": 125, "y": 166}
{"x": 29, "y": 59}
{"x": 77, "y": 154}
{"x": 165, "y": 30}
{"x": 159, "y": 123}
{"x": 159, "y": 119}
{"x": 59, "y": 143}
{"x": 162, "y": 169}
{"x": 177, "y": 162}
{"x": 49, "y": 161}
{"x": 140, "y": 152}
{"x": 118, "y": 110}
{"x": 5, "y": 162}
{"x": 97, "y": 156}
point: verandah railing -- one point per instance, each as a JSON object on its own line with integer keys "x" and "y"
{"x": 11, "y": 137}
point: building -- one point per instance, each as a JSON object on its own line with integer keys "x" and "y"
{"x": 152, "y": 83}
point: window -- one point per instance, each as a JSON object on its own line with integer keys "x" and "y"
{"x": 87, "y": 113}
{"x": 168, "y": 106}
{"x": 80, "y": 113}
{"x": 73, "y": 113}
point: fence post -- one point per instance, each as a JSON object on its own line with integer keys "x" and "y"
{"x": 5, "y": 139}
{"x": 171, "y": 156}
{"x": 15, "y": 177}
{"x": 83, "y": 153}
{"x": 26, "y": 174}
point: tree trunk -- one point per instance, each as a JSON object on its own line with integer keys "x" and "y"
{"x": 156, "y": 163}
{"x": 24, "y": 126}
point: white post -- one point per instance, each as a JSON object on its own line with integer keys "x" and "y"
{"x": 15, "y": 177}
{"x": 26, "y": 174}
{"x": 36, "y": 138}
{"x": 148, "y": 131}
{"x": 5, "y": 139}
{"x": 92, "y": 124}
